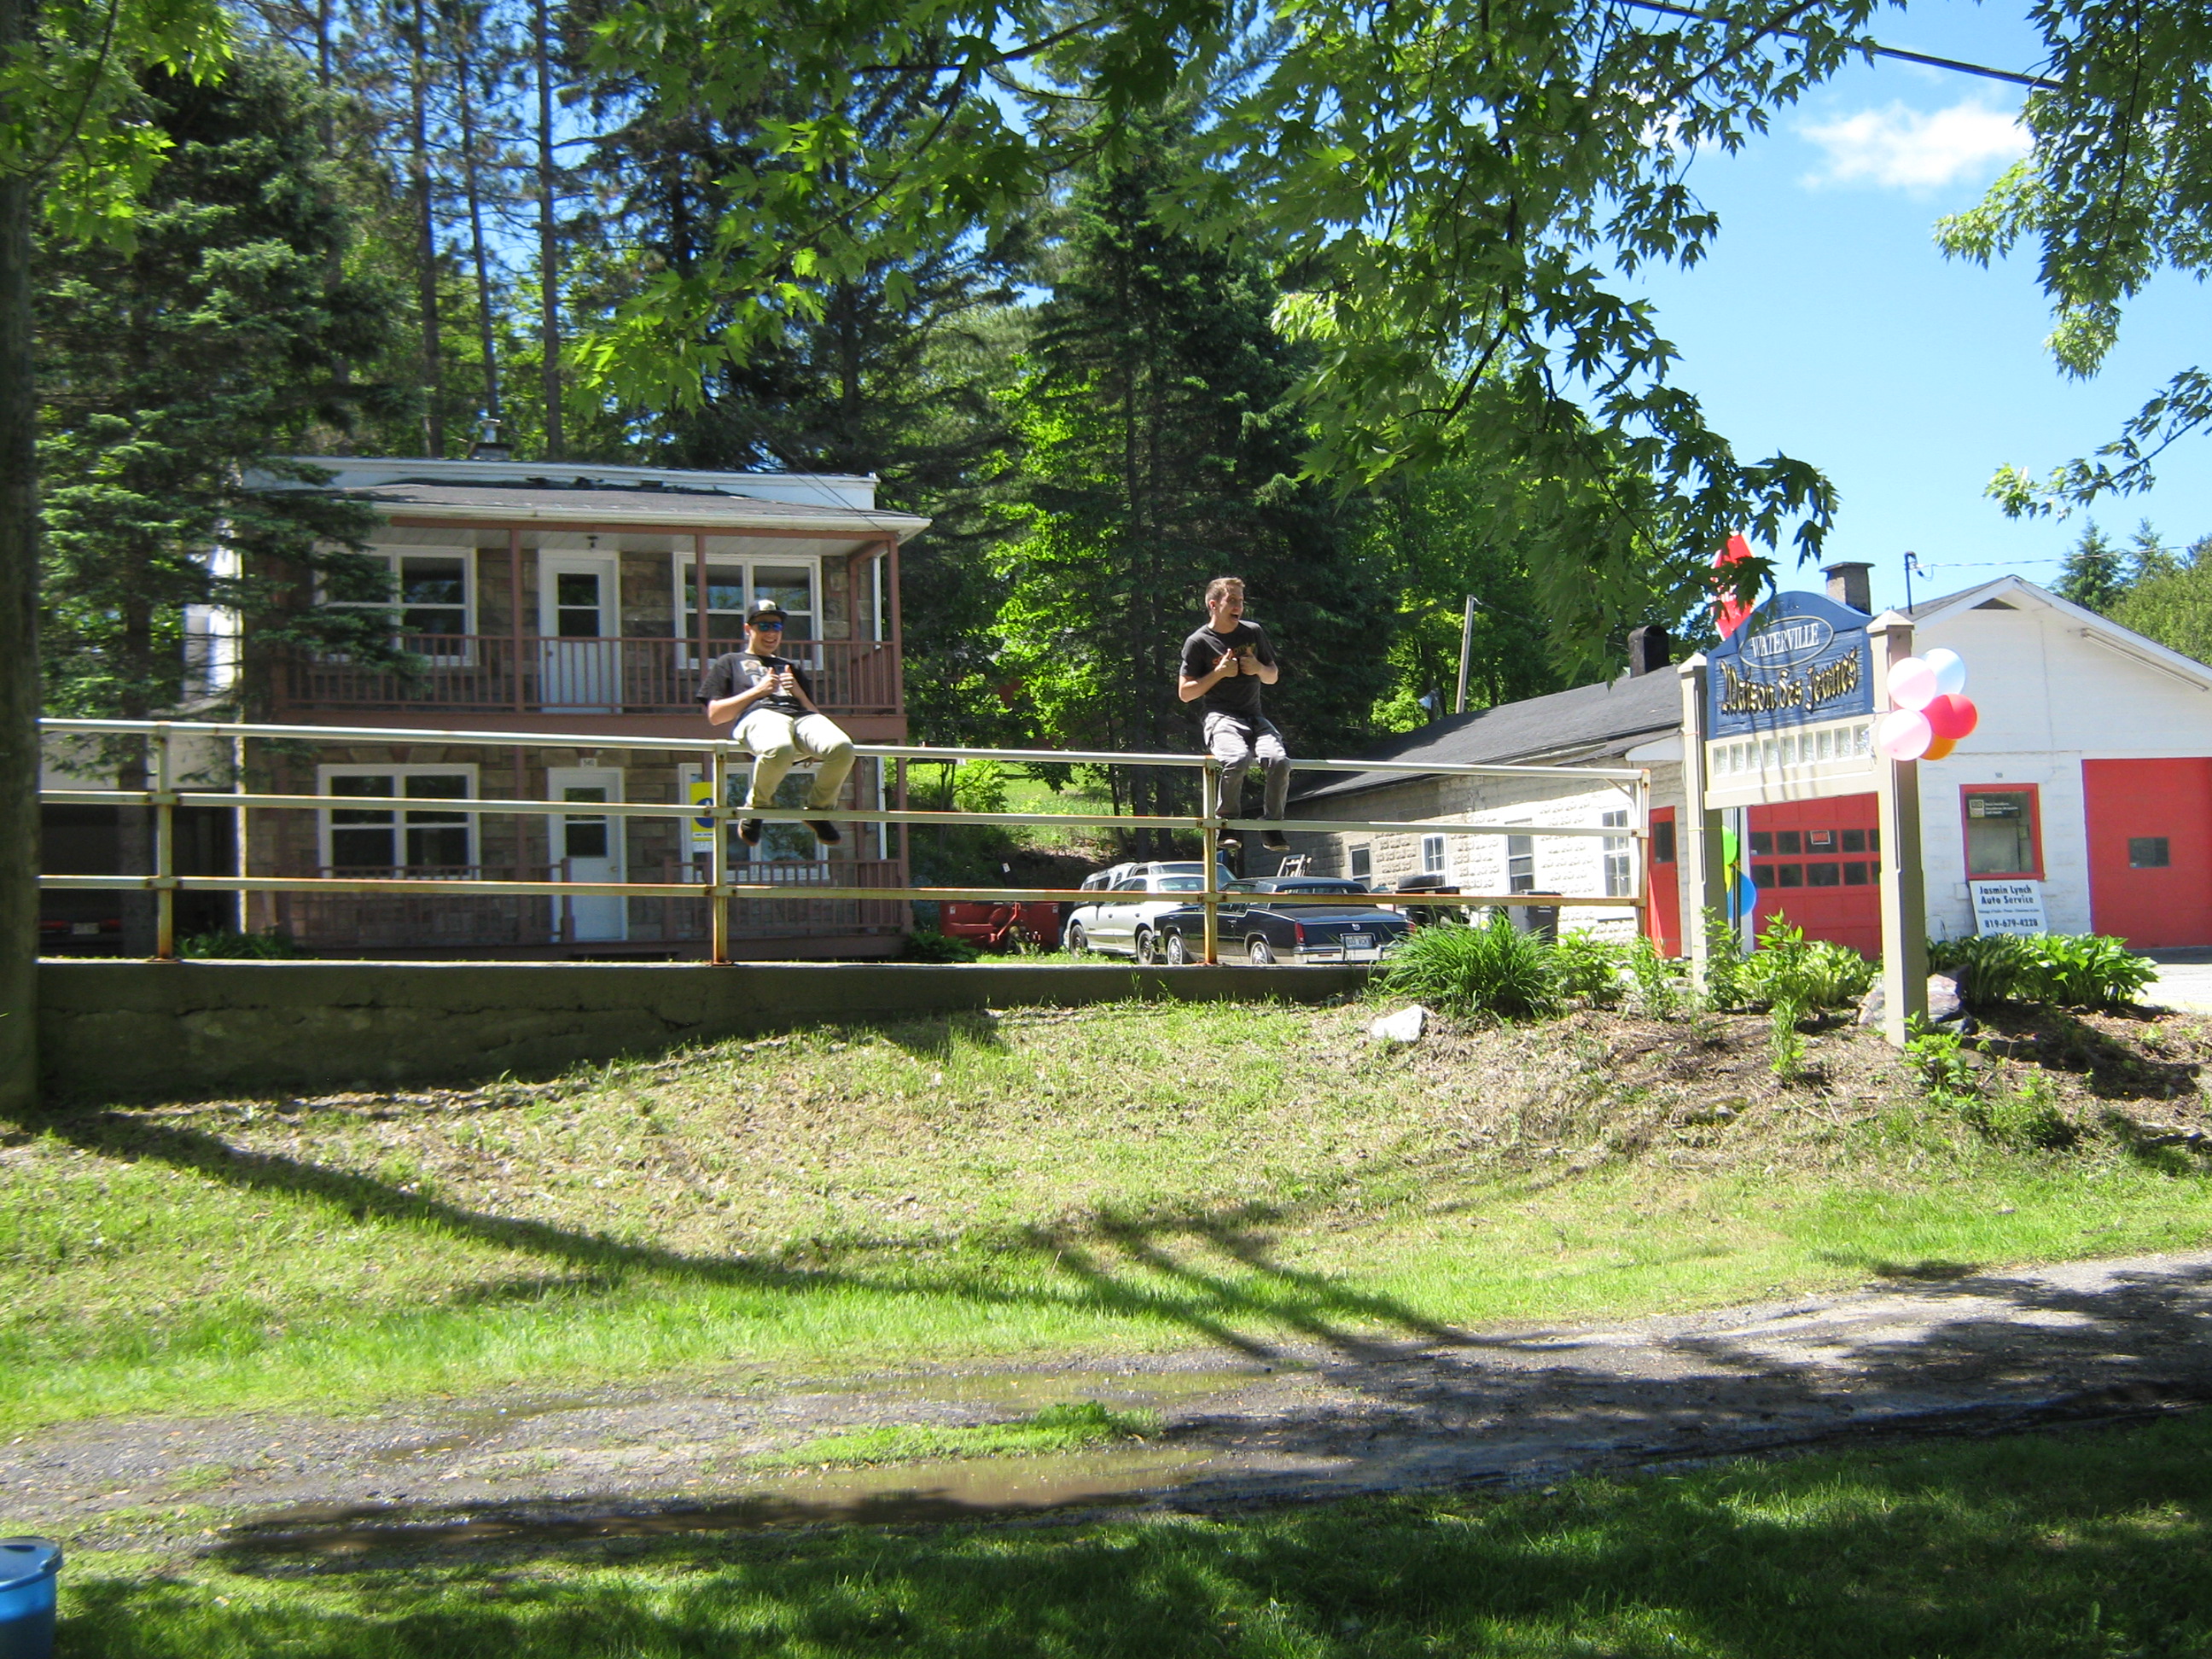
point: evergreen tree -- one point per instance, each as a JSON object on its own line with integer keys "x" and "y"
{"x": 1157, "y": 449}
{"x": 2147, "y": 559}
{"x": 172, "y": 377}
{"x": 2093, "y": 576}
{"x": 2173, "y": 606}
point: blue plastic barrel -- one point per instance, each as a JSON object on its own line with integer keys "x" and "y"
{"x": 28, "y": 1569}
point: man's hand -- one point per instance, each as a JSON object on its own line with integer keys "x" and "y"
{"x": 1227, "y": 667}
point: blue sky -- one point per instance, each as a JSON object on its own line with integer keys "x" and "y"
{"x": 1827, "y": 325}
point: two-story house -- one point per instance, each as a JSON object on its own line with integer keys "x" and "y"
{"x": 528, "y": 597}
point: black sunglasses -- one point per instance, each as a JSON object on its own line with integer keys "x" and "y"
{"x": 774, "y": 622}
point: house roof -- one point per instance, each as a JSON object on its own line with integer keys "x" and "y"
{"x": 1566, "y": 726}
{"x": 2018, "y": 593}
{"x": 641, "y": 506}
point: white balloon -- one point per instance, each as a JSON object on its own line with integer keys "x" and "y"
{"x": 1912, "y": 684}
{"x": 1903, "y": 735}
{"x": 1950, "y": 670}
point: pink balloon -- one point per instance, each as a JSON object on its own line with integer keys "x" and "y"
{"x": 1951, "y": 716}
{"x": 1903, "y": 735}
{"x": 1912, "y": 684}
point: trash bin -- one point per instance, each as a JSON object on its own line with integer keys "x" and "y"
{"x": 27, "y": 1567}
{"x": 1541, "y": 920}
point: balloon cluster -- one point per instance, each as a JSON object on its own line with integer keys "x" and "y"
{"x": 1932, "y": 711}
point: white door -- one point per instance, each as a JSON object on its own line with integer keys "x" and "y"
{"x": 590, "y": 846}
{"x": 579, "y": 623}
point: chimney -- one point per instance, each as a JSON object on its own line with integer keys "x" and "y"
{"x": 1848, "y": 585}
{"x": 1649, "y": 649}
{"x": 488, "y": 446}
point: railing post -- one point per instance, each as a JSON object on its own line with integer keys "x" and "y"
{"x": 165, "y": 846}
{"x": 718, "y": 908}
{"x": 1209, "y": 813}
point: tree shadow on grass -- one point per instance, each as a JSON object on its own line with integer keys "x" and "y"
{"x": 2053, "y": 1038}
{"x": 2078, "y": 1545}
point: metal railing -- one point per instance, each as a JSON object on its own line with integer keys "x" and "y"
{"x": 719, "y": 759}
{"x": 488, "y": 673}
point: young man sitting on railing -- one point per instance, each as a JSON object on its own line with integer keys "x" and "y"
{"x": 769, "y": 696}
{"x": 1225, "y": 663}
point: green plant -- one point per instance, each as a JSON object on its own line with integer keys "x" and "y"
{"x": 2068, "y": 970}
{"x": 1785, "y": 1043}
{"x": 928, "y": 944}
{"x": 1807, "y": 975}
{"x": 274, "y": 945}
{"x": 1583, "y": 965}
{"x": 1659, "y": 986}
{"x": 2029, "y": 1118}
{"x": 1495, "y": 969}
{"x": 1939, "y": 1059}
{"x": 1725, "y": 964}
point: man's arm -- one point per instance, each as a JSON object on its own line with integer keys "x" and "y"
{"x": 721, "y": 711}
{"x": 1190, "y": 690}
{"x": 1263, "y": 661}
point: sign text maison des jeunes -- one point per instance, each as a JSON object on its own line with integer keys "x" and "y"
{"x": 1799, "y": 658}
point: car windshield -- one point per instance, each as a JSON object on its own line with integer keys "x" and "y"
{"x": 1182, "y": 883}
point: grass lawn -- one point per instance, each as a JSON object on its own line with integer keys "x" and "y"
{"x": 2081, "y": 1545}
{"x": 1141, "y": 1177}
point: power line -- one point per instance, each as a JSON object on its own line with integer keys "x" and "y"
{"x": 2013, "y": 76}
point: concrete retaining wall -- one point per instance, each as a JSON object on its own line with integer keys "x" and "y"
{"x": 144, "y": 1030}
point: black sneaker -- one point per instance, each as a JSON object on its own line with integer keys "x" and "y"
{"x": 825, "y": 832}
{"x": 1275, "y": 840}
{"x": 749, "y": 831}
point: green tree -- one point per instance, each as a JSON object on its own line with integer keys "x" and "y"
{"x": 2147, "y": 557}
{"x": 2174, "y": 605}
{"x": 2095, "y": 574}
{"x": 68, "y": 146}
{"x": 2117, "y": 188}
{"x": 1159, "y": 449}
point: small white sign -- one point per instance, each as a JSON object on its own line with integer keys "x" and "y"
{"x": 2009, "y": 907}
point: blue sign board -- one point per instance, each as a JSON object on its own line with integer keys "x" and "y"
{"x": 1798, "y": 658}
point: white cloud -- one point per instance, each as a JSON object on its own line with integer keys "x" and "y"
{"x": 1901, "y": 149}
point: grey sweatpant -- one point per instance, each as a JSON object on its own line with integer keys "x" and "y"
{"x": 1237, "y": 742}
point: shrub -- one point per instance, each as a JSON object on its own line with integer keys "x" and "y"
{"x": 276, "y": 944}
{"x": 2068, "y": 970}
{"x": 1583, "y": 965}
{"x": 1495, "y": 969}
{"x": 1659, "y": 986}
{"x": 1788, "y": 969}
{"x": 1939, "y": 1059}
{"x": 928, "y": 944}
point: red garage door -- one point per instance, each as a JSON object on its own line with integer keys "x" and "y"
{"x": 2151, "y": 849}
{"x": 1662, "y": 886}
{"x": 1818, "y": 864}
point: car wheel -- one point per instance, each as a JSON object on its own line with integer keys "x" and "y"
{"x": 1078, "y": 942}
{"x": 1259, "y": 952}
{"x": 1178, "y": 951}
{"x": 1148, "y": 954}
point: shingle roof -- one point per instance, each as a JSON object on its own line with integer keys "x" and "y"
{"x": 1587, "y": 721}
{"x": 548, "y": 501}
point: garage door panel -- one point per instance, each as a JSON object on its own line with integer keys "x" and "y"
{"x": 1818, "y": 866}
{"x": 2149, "y": 825}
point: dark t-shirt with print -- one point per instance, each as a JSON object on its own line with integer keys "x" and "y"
{"x": 741, "y": 670}
{"x": 1239, "y": 692}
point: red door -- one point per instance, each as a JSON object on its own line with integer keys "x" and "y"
{"x": 2150, "y": 850}
{"x": 1662, "y": 884}
{"x": 1818, "y": 865}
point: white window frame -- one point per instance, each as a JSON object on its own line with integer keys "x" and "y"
{"x": 685, "y": 589}
{"x": 739, "y": 778}
{"x": 361, "y": 803}
{"x": 1435, "y": 855}
{"x": 1360, "y": 859}
{"x": 1620, "y": 856}
{"x": 390, "y": 557}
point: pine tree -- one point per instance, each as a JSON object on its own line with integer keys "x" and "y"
{"x": 2148, "y": 558}
{"x": 2093, "y": 576}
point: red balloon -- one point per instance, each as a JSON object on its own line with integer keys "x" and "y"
{"x": 1952, "y": 716}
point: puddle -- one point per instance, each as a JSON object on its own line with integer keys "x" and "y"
{"x": 1033, "y": 1391}
{"x": 952, "y": 1490}
{"x": 479, "y": 1424}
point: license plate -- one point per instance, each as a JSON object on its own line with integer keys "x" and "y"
{"x": 84, "y": 930}
{"x": 1359, "y": 941}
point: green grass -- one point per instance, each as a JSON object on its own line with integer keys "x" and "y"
{"x": 2089, "y": 1545}
{"x": 1066, "y": 1428}
{"x": 1140, "y": 1177}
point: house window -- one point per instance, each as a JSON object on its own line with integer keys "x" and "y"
{"x": 387, "y": 831}
{"x": 779, "y": 843}
{"x": 432, "y": 600}
{"x": 2149, "y": 853}
{"x": 1662, "y": 841}
{"x": 1363, "y": 862}
{"x": 2001, "y": 836}
{"x": 1520, "y": 863}
{"x": 734, "y": 585}
{"x": 1432, "y": 854}
{"x": 1619, "y": 873}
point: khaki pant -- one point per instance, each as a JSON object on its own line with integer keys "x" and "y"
{"x": 778, "y": 741}
{"x": 1237, "y": 742}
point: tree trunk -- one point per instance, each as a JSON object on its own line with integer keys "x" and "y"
{"x": 464, "y": 73}
{"x": 426, "y": 243}
{"x": 549, "y": 244}
{"x": 19, "y": 628}
{"x": 134, "y": 826}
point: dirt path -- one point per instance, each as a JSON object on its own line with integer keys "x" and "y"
{"x": 1967, "y": 1354}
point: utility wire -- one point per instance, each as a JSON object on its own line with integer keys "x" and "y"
{"x": 2013, "y": 77}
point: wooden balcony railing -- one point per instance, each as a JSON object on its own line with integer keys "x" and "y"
{"x": 493, "y": 671}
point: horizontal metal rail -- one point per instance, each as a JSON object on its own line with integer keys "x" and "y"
{"x": 722, "y": 883}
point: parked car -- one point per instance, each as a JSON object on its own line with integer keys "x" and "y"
{"x": 1120, "y": 921}
{"x": 1286, "y": 919}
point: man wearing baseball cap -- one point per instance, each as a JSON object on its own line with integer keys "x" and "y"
{"x": 768, "y": 695}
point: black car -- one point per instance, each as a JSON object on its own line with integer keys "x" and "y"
{"x": 1286, "y": 919}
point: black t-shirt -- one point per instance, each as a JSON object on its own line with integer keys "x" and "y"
{"x": 1239, "y": 692}
{"x": 741, "y": 670}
